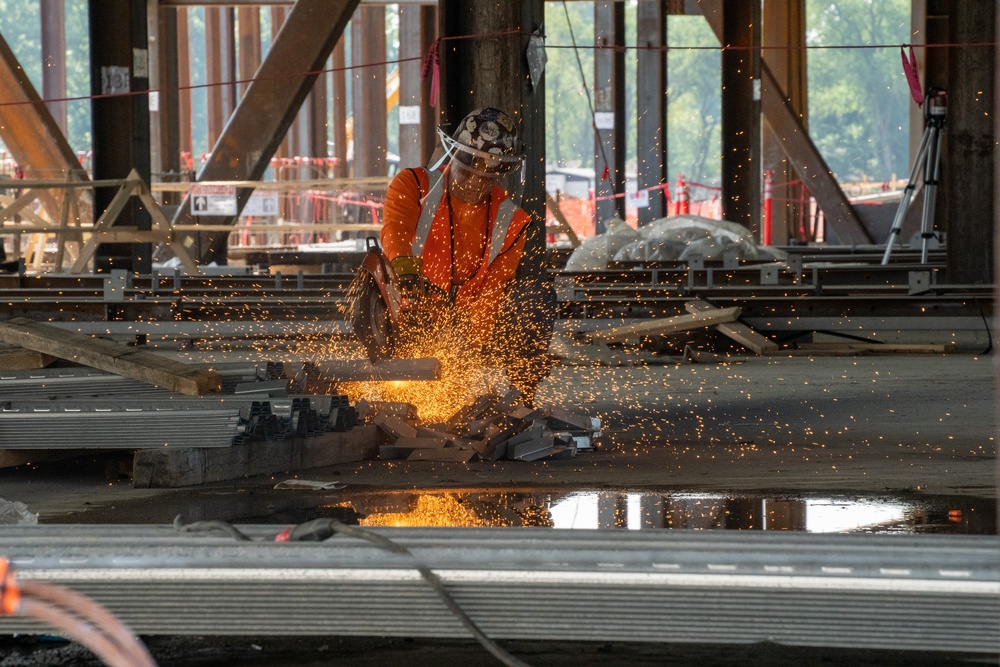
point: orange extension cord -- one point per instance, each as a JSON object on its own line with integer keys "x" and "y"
{"x": 74, "y": 615}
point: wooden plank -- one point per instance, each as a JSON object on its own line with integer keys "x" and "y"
{"x": 741, "y": 333}
{"x": 19, "y": 359}
{"x": 110, "y": 356}
{"x": 165, "y": 467}
{"x": 665, "y": 325}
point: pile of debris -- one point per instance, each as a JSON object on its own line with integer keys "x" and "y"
{"x": 491, "y": 428}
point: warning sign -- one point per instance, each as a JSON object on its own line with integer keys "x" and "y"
{"x": 261, "y": 204}
{"x": 213, "y": 200}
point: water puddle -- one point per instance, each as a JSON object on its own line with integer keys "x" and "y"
{"x": 650, "y": 510}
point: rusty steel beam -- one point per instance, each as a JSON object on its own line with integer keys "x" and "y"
{"x": 812, "y": 169}
{"x": 265, "y": 113}
{"x": 27, "y": 127}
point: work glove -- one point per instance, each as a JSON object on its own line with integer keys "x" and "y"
{"x": 412, "y": 282}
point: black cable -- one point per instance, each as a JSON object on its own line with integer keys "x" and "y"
{"x": 428, "y": 575}
{"x": 211, "y": 527}
{"x": 336, "y": 527}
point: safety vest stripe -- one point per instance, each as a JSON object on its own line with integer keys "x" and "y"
{"x": 501, "y": 225}
{"x": 429, "y": 206}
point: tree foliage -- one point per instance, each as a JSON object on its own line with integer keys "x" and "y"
{"x": 858, "y": 98}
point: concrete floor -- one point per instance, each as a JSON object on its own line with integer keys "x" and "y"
{"x": 921, "y": 424}
{"x": 901, "y": 424}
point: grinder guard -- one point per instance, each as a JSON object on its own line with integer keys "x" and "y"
{"x": 375, "y": 311}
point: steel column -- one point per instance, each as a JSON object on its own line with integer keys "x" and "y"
{"x": 784, "y": 29}
{"x": 217, "y": 113}
{"x": 284, "y": 148}
{"x": 266, "y": 111}
{"x": 119, "y": 65}
{"x": 532, "y": 130}
{"x": 413, "y": 43}
{"x": 741, "y": 113}
{"x": 967, "y": 159}
{"x": 368, "y": 87}
{"x": 317, "y": 125}
{"x": 339, "y": 111}
{"x": 53, "y": 21}
{"x": 651, "y": 106}
{"x": 186, "y": 141}
{"x": 165, "y": 121}
{"x": 490, "y": 70}
{"x": 248, "y": 19}
{"x": 609, "y": 105}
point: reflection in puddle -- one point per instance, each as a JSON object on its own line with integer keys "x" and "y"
{"x": 651, "y": 510}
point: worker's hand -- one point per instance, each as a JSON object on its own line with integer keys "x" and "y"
{"x": 413, "y": 283}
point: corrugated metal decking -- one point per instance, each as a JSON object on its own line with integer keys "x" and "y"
{"x": 933, "y": 593}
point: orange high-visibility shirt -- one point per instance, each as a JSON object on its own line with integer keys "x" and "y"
{"x": 480, "y": 286}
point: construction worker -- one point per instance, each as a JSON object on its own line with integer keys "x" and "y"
{"x": 455, "y": 231}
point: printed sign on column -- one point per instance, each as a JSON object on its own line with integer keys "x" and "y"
{"x": 261, "y": 204}
{"x": 639, "y": 199}
{"x": 213, "y": 200}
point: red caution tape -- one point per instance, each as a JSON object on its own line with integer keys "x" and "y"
{"x": 432, "y": 65}
{"x": 912, "y": 77}
{"x": 10, "y": 594}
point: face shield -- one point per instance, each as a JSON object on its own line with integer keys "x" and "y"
{"x": 473, "y": 174}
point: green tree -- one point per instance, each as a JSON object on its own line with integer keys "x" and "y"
{"x": 694, "y": 98}
{"x": 858, "y": 98}
{"x": 20, "y": 26}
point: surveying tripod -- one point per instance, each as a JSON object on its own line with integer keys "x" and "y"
{"x": 928, "y": 158}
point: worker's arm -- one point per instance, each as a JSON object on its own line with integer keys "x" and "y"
{"x": 401, "y": 212}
